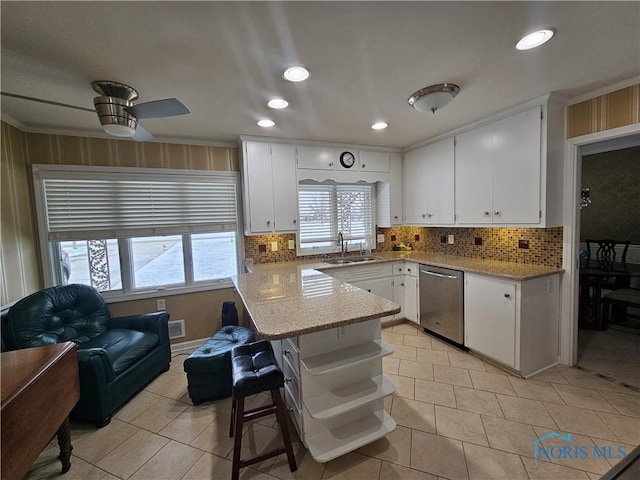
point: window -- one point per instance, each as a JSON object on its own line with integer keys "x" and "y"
{"x": 130, "y": 230}
{"x": 328, "y": 209}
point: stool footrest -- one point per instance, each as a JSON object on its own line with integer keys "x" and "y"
{"x": 260, "y": 412}
{"x": 264, "y": 456}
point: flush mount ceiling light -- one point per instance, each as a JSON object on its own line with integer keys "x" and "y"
{"x": 535, "y": 39}
{"x": 434, "y": 97}
{"x": 266, "y": 123}
{"x": 379, "y": 126}
{"x": 296, "y": 74}
{"x": 277, "y": 103}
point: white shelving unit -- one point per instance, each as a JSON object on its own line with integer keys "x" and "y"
{"x": 336, "y": 360}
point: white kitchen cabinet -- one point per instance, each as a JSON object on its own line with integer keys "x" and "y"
{"x": 374, "y": 161}
{"x": 316, "y": 158}
{"x": 429, "y": 184}
{"x": 269, "y": 188}
{"x": 498, "y": 172}
{"x": 395, "y": 186}
{"x": 377, "y": 279}
{"x": 335, "y": 388}
{"x": 513, "y": 322}
{"x": 405, "y": 290}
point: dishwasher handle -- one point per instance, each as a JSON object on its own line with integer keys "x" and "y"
{"x": 440, "y": 275}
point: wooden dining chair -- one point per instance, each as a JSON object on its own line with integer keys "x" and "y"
{"x": 606, "y": 253}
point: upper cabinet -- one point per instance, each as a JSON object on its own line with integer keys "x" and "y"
{"x": 270, "y": 190}
{"x": 509, "y": 172}
{"x": 498, "y": 171}
{"x": 316, "y": 158}
{"x": 429, "y": 184}
{"x": 374, "y": 161}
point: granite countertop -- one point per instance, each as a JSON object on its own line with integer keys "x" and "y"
{"x": 289, "y": 299}
{"x": 286, "y": 299}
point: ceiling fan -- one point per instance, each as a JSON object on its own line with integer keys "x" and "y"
{"x": 117, "y": 113}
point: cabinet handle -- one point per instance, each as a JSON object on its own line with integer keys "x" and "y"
{"x": 268, "y": 222}
{"x": 486, "y": 214}
{"x": 497, "y": 212}
{"x": 363, "y": 165}
{"x": 429, "y": 215}
{"x": 290, "y": 409}
{"x": 402, "y": 284}
{"x": 395, "y": 216}
{"x": 287, "y": 379}
{"x": 424, "y": 215}
{"x": 331, "y": 164}
{"x": 507, "y": 295}
{"x": 369, "y": 290}
{"x": 287, "y": 352}
{"x": 408, "y": 269}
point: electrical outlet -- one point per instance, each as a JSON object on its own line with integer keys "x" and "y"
{"x": 443, "y": 239}
{"x": 342, "y": 331}
{"x": 450, "y": 239}
{"x": 292, "y": 244}
{"x": 274, "y": 246}
{"x": 381, "y": 238}
{"x": 160, "y": 305}
{"x": 478, "y": 241}
{"x": 523, "y": 244}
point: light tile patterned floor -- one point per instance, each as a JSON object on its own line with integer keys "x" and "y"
{"x": 458, "y": 417}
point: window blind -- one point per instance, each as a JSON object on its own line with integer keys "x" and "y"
{"x": 117, "y": 207}
{"x": 328, "y": 209}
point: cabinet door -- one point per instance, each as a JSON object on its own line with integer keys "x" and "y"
{"x": 414, "y": 192}
{"x": 473, "y": 176}
{"x": 258, "y": 183}
{"x": 411, "y": 298}
{"x": 395, "y": 185}
{"x": 285, "y": 188}
{"x": 516, "y": 168}
{"x": 490, "y": 317}
{"x": 399, "y": 294}
{"x": 318, "y": 158}
{"x": 439, "y": 182}
{"x": 374, "y": 161}
{"x": 383, "y": 287}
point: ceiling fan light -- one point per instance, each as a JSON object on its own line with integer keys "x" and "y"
{"x": 119, "y": 130}
{"x": 434, "y": 97}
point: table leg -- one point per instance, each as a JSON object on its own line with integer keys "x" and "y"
{"x": 64, "y": 442}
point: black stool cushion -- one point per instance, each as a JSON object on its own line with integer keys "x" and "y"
{"x": 255, "y": 369}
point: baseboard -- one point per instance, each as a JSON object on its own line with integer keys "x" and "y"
{"x": 183, "y": 346}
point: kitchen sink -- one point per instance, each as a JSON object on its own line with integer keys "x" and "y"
{"x": 342, "y": 261}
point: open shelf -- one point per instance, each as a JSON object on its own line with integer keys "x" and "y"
{"x": 330, "y": 444}
{"x": 344, "y": 399}
{"x": 339, "y": 359}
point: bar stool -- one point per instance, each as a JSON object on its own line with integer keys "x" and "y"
{"x": 255, "y": 370}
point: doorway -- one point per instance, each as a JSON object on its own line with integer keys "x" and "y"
{"x": 568, "y": 348}
{"x": 609, "y": 209}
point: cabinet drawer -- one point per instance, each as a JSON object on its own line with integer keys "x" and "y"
{"x": 411, "y": 269}
{"x": 291, "y": 381}
{"x": 357, "y": 273}
{"x": 398, "y": 269}
{"x": 290, "y": 352}
{"x": 294, "y": 410}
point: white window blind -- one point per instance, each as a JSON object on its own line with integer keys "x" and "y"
{"x": 328, "y": 209}
{"x": 104, "y": 204}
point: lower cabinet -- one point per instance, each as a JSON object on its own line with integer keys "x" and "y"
{"x": 513, "y": 322}
{"x": 405, "y": 290}
{"x": 335, "y": 388}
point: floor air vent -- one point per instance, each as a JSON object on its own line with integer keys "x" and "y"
{"x": 176, "y": 329}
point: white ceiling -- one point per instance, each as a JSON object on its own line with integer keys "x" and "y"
{"x": 224, "y": 60}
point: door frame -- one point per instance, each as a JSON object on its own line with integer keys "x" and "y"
{"x": 568, "y": 350}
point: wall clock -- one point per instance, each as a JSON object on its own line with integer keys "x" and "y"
{"x": 347, "y": 159}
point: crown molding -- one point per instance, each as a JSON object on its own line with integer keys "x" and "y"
{"x": 628, "y": 82}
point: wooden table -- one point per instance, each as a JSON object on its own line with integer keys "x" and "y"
{"x": 40, "y": 386}
{"x": 592, "y": 275}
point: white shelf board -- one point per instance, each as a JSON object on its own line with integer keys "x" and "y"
{"x": 344, "y": 399}
{"x": 330, "y": 444}
{"x": 346, "y": 357}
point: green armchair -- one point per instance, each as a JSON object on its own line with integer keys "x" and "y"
{"x": 117, "y": 356}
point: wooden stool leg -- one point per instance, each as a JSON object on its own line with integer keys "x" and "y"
{"x": 233, "y": 417}
{"x": 237, "y": 443}
{"x": 64, "y": 442}
{"x": 284, "y": 428}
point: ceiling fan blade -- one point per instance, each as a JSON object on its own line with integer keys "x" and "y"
{"x": 48, "y": 102}
{"x": 169, "y": 107}
{"x": 141, "y": 134}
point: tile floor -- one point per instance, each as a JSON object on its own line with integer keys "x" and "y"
{"x": 458, "y": 418}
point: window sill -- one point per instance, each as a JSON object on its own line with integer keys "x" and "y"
{"x": 112, "y": 297}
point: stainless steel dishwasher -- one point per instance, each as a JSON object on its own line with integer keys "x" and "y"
{"x": 441, "y": 302}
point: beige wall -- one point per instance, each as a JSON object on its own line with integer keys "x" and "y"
{"x": 20, "y": 260}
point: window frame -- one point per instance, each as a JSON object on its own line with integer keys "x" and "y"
{"x": 50, "y": 250}
{"x": 301, "y": 252}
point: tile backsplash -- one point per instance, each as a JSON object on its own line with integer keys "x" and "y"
{"x": 545, "y": 244}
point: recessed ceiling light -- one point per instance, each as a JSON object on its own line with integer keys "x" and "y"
{"x": 278, "y": 103}
{"x": 266, "y": 123}
{"x": 379, "y": 125}
{"x": 296, "y": 74}
{"x": 535, "y": 39}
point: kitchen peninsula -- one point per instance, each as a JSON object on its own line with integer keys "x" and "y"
{"x": 327, "y": 338}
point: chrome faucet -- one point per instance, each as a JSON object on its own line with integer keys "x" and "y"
{"x": 343, "y": 245}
